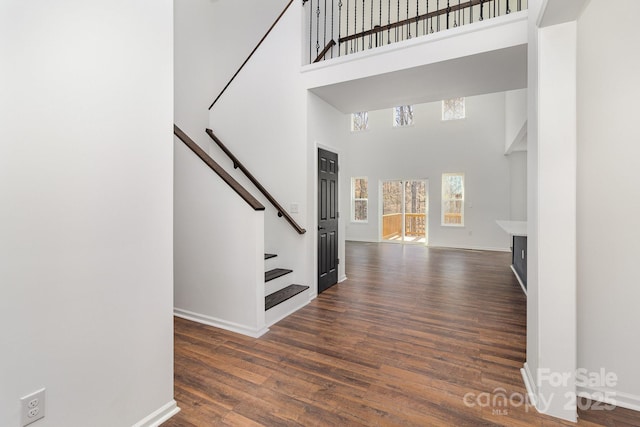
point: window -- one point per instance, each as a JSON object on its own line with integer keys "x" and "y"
{"x": 403, "y": 116}
{"x": 453, "y": 199}
{"x": 359, "y": 200}
{"x": 453, "y": 109}
{"x": 359, "y": 121}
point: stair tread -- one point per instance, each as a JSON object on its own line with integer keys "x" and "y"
{"x": 282, "y": 295}
{"x": 275, "y": 273}
{"x": 269, "y": 256}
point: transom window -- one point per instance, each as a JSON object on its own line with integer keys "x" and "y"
{"x": 359, "y": 121}
{"x": 453, "y": 109}
{"x": 403, "y": 116}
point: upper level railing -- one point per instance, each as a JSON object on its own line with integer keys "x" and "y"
{"x": 236, "y": 164}
{"x": 235, "y": 185}
{"x": 343, "y": 27}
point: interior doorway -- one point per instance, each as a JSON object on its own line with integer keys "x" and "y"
{"x": 404, "y": 205}
{"x": 327, "y": 219}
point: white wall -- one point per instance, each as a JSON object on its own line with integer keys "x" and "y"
{"x": 518, "y": 185}
{"x": 219, "y": 250}
{"x": 515, "y": 120}
{"x": 212, "y": 39}
{"x": 86, "y": 220}
{"x": 430, "y": 147}
{"x": 327, "y": 129}
{"x": 556, "y": 302}
{"x": 608, "y": 205}
{"x": 262, "y": 119}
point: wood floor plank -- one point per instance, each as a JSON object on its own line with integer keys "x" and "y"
{"x": 404, "y": 341}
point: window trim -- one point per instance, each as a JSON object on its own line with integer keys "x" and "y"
{"x": 354, "y": 199}
{"x": 443, "y": 200}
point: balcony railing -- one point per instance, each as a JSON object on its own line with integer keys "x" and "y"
{"x": 414, "y": 225}
{"x": 343, "y": 27}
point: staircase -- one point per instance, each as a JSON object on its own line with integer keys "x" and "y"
{"x": 281, "y": 298}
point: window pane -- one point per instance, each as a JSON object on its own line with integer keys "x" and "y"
{"x": 453, "y": 109}
{"x": 360, "y": 210}
{"x": 360, "y": 188}
{"x": 452, "y": 199}
{"x": 403, "y": 116}
{"x": 392, "y": 193}
{"x": 359, "y": 121}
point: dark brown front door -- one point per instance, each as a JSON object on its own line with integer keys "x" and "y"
{"x": 327, "y": 219}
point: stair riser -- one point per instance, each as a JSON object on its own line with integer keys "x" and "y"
{"x": 279, "y": 283}
{"x": 286, "y": 308}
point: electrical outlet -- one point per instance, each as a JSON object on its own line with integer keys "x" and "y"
{"x": 32, "y": 407}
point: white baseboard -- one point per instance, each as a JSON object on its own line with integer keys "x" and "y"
{"x": 519, "y": 279}
{"x": 159, "y": 416}
{"x": 342, "y": 279}
{"x": 219, "y": 323}
{"x": 530, "y": 385}
{"x": 472, "y": 248}
{"x": 610, "y": 396}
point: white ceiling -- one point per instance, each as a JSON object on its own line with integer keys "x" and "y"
{"x": 488, "y": 72}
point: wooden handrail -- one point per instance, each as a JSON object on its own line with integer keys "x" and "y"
{"x": 251, "y": 54}
{"x": 379, "y": 29}
{"x": 329, "y": 45}
{"x": 254, "y": 181}
{"x": 235, "y": 185}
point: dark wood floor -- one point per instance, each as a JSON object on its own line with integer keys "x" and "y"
{"x": 401, "y": 343}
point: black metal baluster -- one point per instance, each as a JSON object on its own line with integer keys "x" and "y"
{"x": 430, "y": 23}
{"x": 481, "y": 10}
{"x": 471, "y": 14}
{"x": 339, "y": 25}
{"x": 363, "y": 24}
{"x": 438, "y": 9}
{"x": 519, "y": 5}
{"x": 380, "y": 25}
{"x": 448, "y": 10}
{"x": 494, "y": 8}
{"x": 417, "y": 17}
{"x": 325, "y": 24}
{"x": 310, "y": 30}
{"x": 355, "y": 25}
{"x": 332, "y": 14}
{"x": 499, "y": 8}
{"x": 398, "y": 20}
{"x": 508, "y": 9}
{"x": 346, "y": 46}
{"x": 389, "y": 22}
{"x": 408, "y": 23}
{"x": 371, "y": 28}
{"x": 318, "y": 29}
